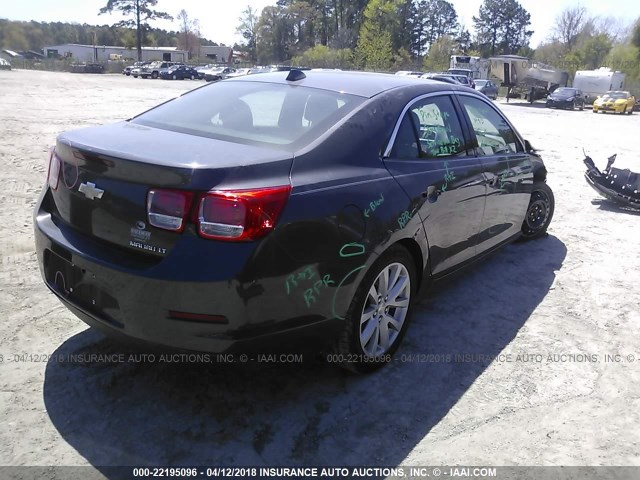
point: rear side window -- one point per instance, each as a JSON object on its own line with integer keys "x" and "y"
{"x": 253, "y": 112}
{"x": 429, "y": 129}
{"x": 491, "y": 129}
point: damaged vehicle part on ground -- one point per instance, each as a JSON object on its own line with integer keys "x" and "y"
{"x": 621, "y": 186}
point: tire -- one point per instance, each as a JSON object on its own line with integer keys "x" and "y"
{"x": 154, "y": 75}
{"x": 193, "y": 77}
{"x": 359, "y": 347}
{"x": 539, "y": 212}
{"x": 174, "y": 77}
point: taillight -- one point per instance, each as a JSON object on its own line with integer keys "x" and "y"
{"x": 53, "y": 175}
{"x": 241, "y": 215}
{"x": 168, "y": 209}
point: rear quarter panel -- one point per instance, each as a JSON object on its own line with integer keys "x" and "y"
{"x": 344, "y": 211}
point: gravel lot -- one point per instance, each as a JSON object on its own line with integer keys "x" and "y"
{"x": 552, "y": 310}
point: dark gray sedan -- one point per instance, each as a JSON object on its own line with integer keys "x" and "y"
{"x": 566, "y": 97}
{"x": 284, "y": 210}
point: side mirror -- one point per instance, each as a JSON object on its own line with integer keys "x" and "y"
{"x": 528, "y": 147}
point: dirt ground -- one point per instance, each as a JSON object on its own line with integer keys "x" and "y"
{"x": 532, "y": 358}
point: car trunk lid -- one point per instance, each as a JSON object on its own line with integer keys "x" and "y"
{"x": 106, "y": 174}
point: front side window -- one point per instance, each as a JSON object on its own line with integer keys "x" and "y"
{"x": 492, "y": 131}
{"x": 430, "y": 129}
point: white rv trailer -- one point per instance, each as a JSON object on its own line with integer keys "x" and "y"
{"x": 596, "y": 82}
{"x": 479, "y": 67}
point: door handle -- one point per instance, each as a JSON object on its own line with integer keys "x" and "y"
{"x": 431, "y": 193}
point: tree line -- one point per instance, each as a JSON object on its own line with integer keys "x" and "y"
{"x": 389, "y": 35}
{"x": 379, "y": 34}
{"x": 382, "y": 35}
{"x": 24, "y": 36}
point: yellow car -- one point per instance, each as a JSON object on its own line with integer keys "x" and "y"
{"x": 615, "y": 101}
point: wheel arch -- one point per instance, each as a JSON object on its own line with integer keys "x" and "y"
{"x": 415, "y": 251}
{"x": 539, "y": 170}
{"x": 412, "y": 247}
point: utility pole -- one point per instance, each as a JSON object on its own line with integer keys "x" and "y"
{"x": 95, "y": 48}
{"x": 138, "y": 31}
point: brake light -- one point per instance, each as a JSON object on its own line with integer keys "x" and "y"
{"x": 241, "y": 215}
{"x": 168, "y": 209}
{"x": 53, "y": 175}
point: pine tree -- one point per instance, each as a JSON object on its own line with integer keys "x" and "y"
{"x": 141, "y": 11}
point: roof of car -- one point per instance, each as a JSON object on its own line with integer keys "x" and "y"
{"x": 364, "y": 84}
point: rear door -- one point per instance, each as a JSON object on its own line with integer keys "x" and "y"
{"x": 507, "y": 169}
{"x": 430, "y": 158}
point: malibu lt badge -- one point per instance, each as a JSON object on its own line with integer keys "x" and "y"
{"x": 90, "y": 191}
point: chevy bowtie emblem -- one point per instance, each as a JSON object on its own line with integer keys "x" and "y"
{"x": 90, "y": 191}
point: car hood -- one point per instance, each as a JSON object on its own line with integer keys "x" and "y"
{"x": 601, "y": 101}
{"x": 562, "y": 96}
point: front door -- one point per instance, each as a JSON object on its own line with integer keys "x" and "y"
{"x": 507, "y": 168}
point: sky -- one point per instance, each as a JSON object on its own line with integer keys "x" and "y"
{"x": 219, "y": 18}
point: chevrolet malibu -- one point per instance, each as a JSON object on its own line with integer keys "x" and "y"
{"x": 284, "y": 209}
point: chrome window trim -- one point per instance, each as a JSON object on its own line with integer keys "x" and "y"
{"x": 387, "y": 151}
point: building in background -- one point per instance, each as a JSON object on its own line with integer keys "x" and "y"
{"x": 217, "y": 54}
{"x": 104, "y": 53}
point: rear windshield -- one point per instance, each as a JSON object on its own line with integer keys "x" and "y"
{"x": 248, "y": 112}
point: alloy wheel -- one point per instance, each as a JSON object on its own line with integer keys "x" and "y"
{"x": 385, "y": 310}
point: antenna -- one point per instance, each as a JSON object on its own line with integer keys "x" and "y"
{"x": 295, "y": 75}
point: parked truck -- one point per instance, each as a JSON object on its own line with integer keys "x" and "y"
{"x": 597, "y": 82}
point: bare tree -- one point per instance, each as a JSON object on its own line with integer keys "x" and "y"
{"x": 248, "y": 28}
{"x": 613, "y": 27}
{"x": 189, "y": 32}
{"x": 569, "y": 24}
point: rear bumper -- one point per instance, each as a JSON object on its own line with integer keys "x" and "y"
{"x": 139, "y": 302}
